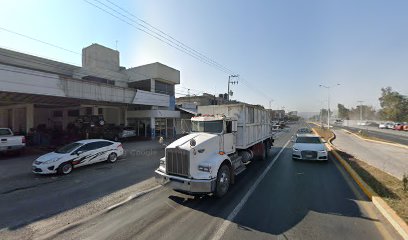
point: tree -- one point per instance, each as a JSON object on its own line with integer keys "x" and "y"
{"x": 394, "y": 105}
{"x": 343, "y": 111}
{"x": 368, "y": 112}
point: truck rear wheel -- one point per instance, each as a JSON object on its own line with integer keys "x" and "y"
{"x": 223, "y": 181}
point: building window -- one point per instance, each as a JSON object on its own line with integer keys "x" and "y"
{"x": 57, "y": 114}
{"x": 100, "y": 111}
{"x": 164, "y": 88}
{"x": 73, "y": 113}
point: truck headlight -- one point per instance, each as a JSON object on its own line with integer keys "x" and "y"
{"x": 163, "y": 162}
{"x": 204, "y": 168}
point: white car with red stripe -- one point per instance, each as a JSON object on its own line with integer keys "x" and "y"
{"x": 77, "y": 154}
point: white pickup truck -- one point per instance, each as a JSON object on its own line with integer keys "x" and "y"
{"x": 222, "y": 141}
{"x": 9, "y": 142}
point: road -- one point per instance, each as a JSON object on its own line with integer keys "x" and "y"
{"x": 390, "y": 135}
{"x": 291, "y": 200}
{"x": 390, "y": 159}
{"x": 27, "y": 200}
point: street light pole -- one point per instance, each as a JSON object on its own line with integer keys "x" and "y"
{"x": 361, "y": 110}
{"x": 229, "y": 82}
{"x": 328, "y": 102}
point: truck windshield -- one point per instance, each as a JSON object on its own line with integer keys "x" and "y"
{"x": 207, "y": 126}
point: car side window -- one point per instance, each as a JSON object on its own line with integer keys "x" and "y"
{"x": 89, "y": 147}
{"x": 104, "y": 144}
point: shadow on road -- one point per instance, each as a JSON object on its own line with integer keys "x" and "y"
{"x": 377, "y": 186}
{"x": 290, "y": 191}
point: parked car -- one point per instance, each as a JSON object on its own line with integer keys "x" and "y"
{"x": 9, "y": 142}
{"x": 117, "y": 133}
{"x": 309, "y": 147}
{"x": 390, "y": 125}
{"x": 77, "y": 154}
{"x": 363, "y": 123}
{"x": 382, "y": 125}
{"x": 405, "y": 128}
{"x": 398, "y": 126}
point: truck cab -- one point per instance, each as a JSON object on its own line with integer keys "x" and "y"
{"x": 216, "y": 150}
{"x": 190, "y": 164}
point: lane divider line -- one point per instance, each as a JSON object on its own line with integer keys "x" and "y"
{"x": 220, "y": 232}
{"x": 396, "y": 221}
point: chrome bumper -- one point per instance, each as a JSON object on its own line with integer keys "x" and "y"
{"x": 184, "y": 184}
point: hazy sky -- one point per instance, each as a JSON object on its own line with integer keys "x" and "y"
{"x": 284, "y": 49}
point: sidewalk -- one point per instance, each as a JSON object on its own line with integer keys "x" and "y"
{"x": 390, "y": 159}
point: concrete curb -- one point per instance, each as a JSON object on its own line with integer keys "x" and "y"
{"x": 396, "y": 221}
{"x": 376, "y": 141}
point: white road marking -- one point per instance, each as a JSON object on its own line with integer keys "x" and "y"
{"x": 218, "y": 235}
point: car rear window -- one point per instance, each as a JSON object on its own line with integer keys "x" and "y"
{"x": 5, "y": 132}
{"x": 308, "y": 140}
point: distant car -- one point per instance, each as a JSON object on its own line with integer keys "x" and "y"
{"x": 309, "y": 147}
{"x": 390, "y": 125}
{"x": 304, "y": 130}
{"x": 364, "y": 123}
{"x": 117, "y": 133}
{"x": 9, "y": 142}
{"x": 77, "y": 154}
{"x": 398, "y": 126}
{"x": 382, "y": 125}
{"x": 405, "y": 128}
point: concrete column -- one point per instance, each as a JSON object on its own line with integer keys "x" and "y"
{"x": 119, "y": 115}
{"x": 29, "y": 117}
{"x": 152, "y": 85}
{"x": 174, "y": 128}
{"x": 125, "y": 119}
{"x": 94, "y": 110}
{"x": 13, "y": 123}
{"x": 152, "y": 127}
{"x": 64, "y": 119}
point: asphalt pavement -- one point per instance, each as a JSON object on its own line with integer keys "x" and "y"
{"x": 291, "y": 200}
{"x": 390, "y": 159}
{"x": 389, "y": 135}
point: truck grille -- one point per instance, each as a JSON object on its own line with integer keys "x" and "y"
{"x": 177, "y": 162}
{"x": 309, "y": 155}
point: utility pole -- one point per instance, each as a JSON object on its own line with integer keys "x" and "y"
{"x": 328, "y": 102}
{"x": 231, "y": 82}
{"x": 270, "y": 104}
{"x": 361, "y": 110}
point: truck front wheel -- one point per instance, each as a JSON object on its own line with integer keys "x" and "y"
{"x": 223, "y": 181}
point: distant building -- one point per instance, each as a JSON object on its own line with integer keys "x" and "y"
{"x": 35, "y": 91}
{"x": 203, "y": 100}
{"x": 277, "y": 114}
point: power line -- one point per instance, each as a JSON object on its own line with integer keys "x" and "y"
{"x": 162, "y": 32}
{"x": 157, "y": 36}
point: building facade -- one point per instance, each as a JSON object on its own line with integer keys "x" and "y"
{"x": 37, "y": 92}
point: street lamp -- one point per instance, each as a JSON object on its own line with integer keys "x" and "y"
{"x": 328, "y": 102}
{"x": 231, "y": 82}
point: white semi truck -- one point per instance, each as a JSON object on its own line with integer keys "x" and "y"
{"x": 223, "y": 139}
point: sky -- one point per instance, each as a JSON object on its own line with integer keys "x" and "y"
{"x": 282, "y": 50}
